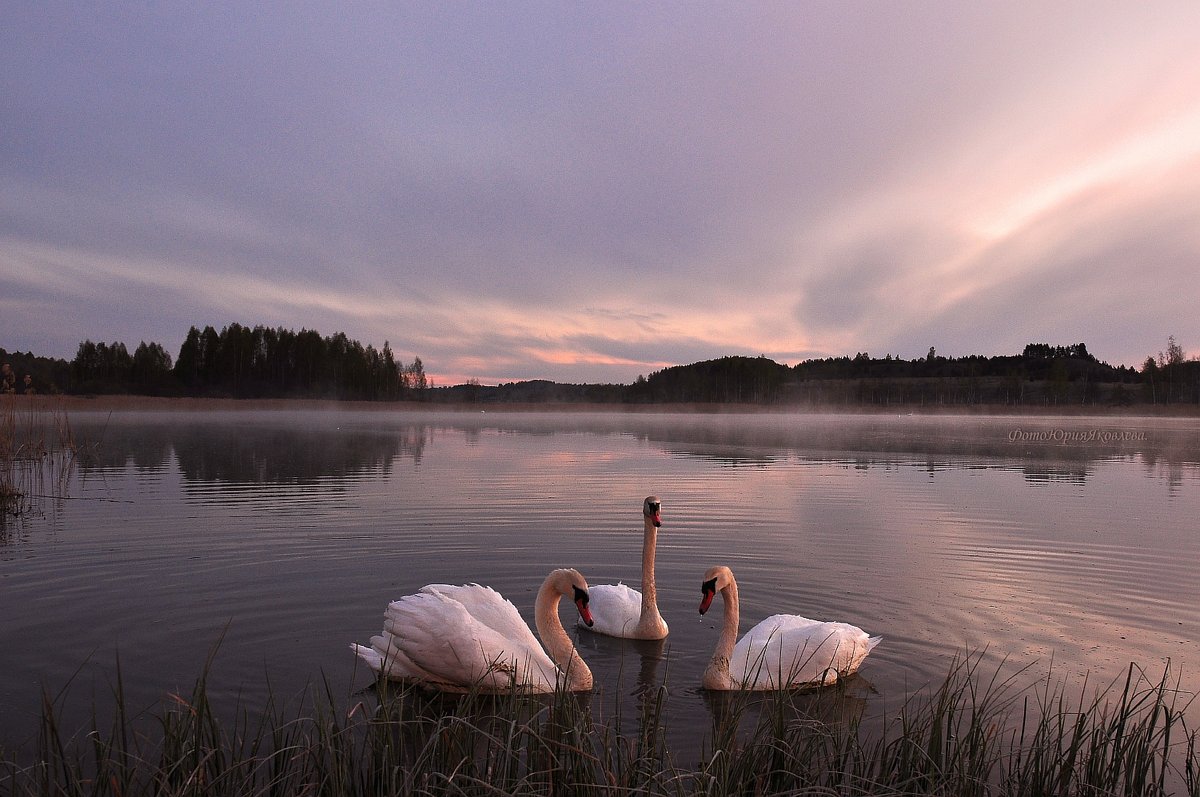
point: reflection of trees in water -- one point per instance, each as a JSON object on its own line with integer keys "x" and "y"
{"x": 274, "y": 456}
{"x": 149, "y": 453}
{"x": 1047, "y": 449}
{"x": 1171, "y": 471}
{"x": 724, "y": 455}
{"x": 1044, "y": 473}
{"x": 942, "y": 443}
{"x": 762, "y": 438}
{"x": 247, "y": 454}
{"x": 114, "y": 447}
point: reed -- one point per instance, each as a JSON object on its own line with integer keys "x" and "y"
{"x": 976, "y": 733}
{"x": 37, "y": 453}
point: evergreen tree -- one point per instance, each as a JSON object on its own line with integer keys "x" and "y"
{"x": 151, "y": 371}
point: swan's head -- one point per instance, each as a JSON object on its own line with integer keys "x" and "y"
{"x": 651, "y": 508}
{"x": 570, "y": 583}
{"x": 716, "y": 579}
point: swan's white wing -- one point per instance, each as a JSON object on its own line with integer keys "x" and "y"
{"x": 616, "y": 609}
{"x": 439, "y": 636}
{"x": 790, "y": 650}
{"x": 490, "y": 608}
{"x": 385, "y": 659}
{"x": 371, "y": 656}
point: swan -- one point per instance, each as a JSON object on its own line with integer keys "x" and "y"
{"x": 624, "y": 612}
{"x": 783, "y": 651}
{"x": 468, "y": 637}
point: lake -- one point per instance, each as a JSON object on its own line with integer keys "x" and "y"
{"x": 273, "y": 539}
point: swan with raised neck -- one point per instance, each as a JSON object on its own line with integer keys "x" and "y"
{"x": 619, "y": 610}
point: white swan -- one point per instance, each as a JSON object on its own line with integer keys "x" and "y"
{"x": 624, "y": 612}
{"x": 783, "y": 651}
{"x": 464, "y": 638}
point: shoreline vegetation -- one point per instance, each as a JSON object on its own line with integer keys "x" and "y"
{"x": 261, "y": 363}
{"x": 976, "y": 733}
{"x": 37, "y": 452}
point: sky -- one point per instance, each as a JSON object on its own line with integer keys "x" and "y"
{"x": 589, "y": 192}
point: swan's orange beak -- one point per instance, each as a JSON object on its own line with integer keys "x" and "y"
{"x": 709, "y": 591}
{"x": 653, "y": 512}
{"x": 581, "y": 603}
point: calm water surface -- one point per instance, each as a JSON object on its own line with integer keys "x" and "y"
{"x": 282, "y": 536}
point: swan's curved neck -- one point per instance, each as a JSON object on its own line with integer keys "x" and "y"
{"x": 717, "y": 675}
{"x": 649, "y": 591}
{"x": 650, "y": 623}
{"x": 555, "y": 639}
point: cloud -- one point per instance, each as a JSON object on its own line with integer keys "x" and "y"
{"x": 591, "y": 193}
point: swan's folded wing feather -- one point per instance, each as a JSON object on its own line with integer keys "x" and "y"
{"x": 368, "y": 655}
{"x": 395, "y": 663}
{"x": 386, "y": 660}
{"x": 490, "y": 608}
{"x": 440, "y": 636}
{"x": 788, "y": 649}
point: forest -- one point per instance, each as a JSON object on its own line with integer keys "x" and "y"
{"x": 237, "y": 362}
{"x": 1042, "y": 375}
{"x": 263, "y": 362}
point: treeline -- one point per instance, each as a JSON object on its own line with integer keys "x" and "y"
{"x": 237, "y": 362}
{"x": 261, "y": 362}
{"x": 729, "y": 380}
{"x": 264, "y": 362}
{"x": 1041, "y": 375}
{"x": 1171, "y": 378}
{"x": 1039, "y": 361}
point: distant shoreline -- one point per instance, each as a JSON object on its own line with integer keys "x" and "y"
{"x": 125, "y": 403}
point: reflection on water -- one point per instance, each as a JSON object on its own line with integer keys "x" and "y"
{"x": 253, "y": 453}
{"x": 285, "y": 534}
{"x": 283, "y": 447}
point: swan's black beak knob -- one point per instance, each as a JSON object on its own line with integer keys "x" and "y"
{"x": 708, "y": 591}
{"x": 581, "y": 603}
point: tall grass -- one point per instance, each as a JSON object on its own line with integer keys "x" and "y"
{"x": 976, "y": 733}
{"x": 37, "y": 452}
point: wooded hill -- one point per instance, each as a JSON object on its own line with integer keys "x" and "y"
{"x": 260, "y": 362}
{"x": 1042, "y": 375}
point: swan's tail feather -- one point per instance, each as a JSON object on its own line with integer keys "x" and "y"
{"x": 872, "y": 642}
{"x": 369, "y": 655}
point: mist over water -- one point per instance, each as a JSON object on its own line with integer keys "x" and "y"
{"x": 282, "y": 536}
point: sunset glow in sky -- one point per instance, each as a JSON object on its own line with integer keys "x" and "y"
{"x": 592, "y": 192}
